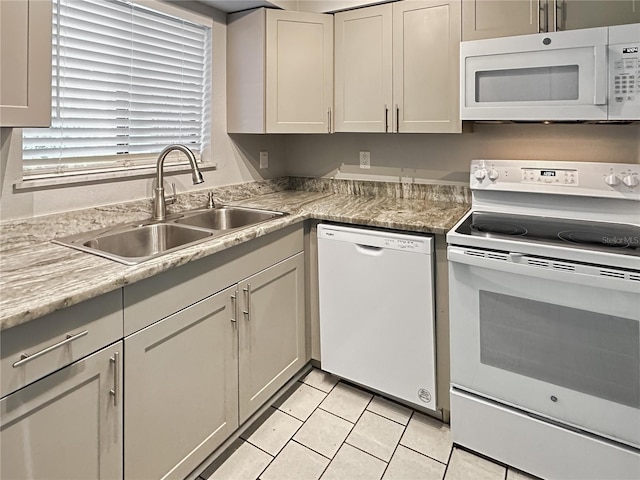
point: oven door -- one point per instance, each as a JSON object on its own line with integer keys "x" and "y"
{"x": 552, "y": 338}
{"x": 558, "y": 76}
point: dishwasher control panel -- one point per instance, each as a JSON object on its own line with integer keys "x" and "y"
{"x": 377, "y": 239}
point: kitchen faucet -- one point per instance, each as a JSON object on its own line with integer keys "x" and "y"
{"x": 159, "y": 203}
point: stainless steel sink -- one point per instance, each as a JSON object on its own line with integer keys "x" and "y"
{"x": 135, "y": 243}
{"x": 226, "y": 218}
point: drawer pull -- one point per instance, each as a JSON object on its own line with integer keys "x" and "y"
{"x": 247, "y": 292}
{"x": 25, "y": 357}
{"x": 115, "y": 391}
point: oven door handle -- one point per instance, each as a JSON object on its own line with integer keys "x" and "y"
{"x": 514, "y": 263}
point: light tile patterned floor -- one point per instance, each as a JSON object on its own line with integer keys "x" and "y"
{"x": 330, "y": 430}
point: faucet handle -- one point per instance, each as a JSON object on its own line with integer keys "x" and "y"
{"x": 172, "y": 199}
{"x": 210, "y": 202}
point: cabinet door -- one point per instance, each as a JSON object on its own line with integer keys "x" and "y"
{"x": 67, "y": 425}
{"x": 501, "y": 18}
{"x": 25, "y": 63}
{"x": 299, "y": 72}
{"x": 181, "y": 389}
{"x": 363, "y": 86}
{"x": 426, "y": 79}
{"x": 573, "y": 14}
{"x": 271, "y": 332}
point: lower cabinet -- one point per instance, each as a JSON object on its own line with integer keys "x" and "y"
{"x": 67, "y": 425}
{"x": 181, "y": 390}
{"x": 271, "y": 332}
{"x": 193, "y": 377}
{"x": 205, "y": 346}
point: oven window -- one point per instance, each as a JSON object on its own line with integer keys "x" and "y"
{"x": 583, "y": 351}
{"x": 528, "y": 84}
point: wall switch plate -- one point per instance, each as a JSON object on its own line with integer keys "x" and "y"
{"x": 365, "y": 159}
{"x": 264, "y": 159}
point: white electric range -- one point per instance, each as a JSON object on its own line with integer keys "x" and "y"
{"x": 544, "y": 285}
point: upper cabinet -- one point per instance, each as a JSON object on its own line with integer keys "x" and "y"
{"x": 573, "y": 14}
{"x": 501, "y": 18}
{"x": 397, "y": 68}
{"x": 279, "y": 72}
{"x": 25, "y": 63}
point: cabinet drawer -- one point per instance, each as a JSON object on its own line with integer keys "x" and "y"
{"x": 58, "y": 339}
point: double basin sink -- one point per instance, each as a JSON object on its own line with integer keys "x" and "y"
{"x": 135, "y": 243}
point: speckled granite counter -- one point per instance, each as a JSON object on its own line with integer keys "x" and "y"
{"x": 38, "y": 277}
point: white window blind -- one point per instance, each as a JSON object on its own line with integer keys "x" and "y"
{"x": 127, "y": 81}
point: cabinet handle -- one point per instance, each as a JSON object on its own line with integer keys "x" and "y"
{"x": 397, "y": 118}
{"x": 234, "y": 309}
{"x": 115, "y": 391}
{"x": 386, "y": 119}
{"x": 543, "y": 16}
{"x": 247, "y": 292}
{"x": 329, "y": 120}
{"x": 559, "y": 15}
{"x": 25, "y": 357}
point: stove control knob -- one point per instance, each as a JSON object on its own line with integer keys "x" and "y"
{"x": 480, "y": 174}
{"x": 493, "y": 174}
{"x": 631, "y": 181}
{"x": 612, "y": 180}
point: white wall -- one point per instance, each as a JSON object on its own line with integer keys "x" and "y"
{"x": 446, "y": 157}
{"x": 237, "y": 157}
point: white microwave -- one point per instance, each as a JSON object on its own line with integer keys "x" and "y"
{"x": 579, "y": 75}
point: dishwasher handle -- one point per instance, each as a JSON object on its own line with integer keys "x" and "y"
{"x": 368, "y": 249}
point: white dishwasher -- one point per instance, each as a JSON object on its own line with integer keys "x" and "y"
{"x": 377, "y": 310}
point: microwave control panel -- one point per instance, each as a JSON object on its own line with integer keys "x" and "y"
{"x": 624, "y": 72}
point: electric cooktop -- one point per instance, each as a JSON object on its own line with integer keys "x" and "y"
{"x": 608, "y": 237}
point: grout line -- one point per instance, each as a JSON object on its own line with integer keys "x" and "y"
{"x": 267, "y": 465}
{"x": 312, "y": 449}
{"x": 320, "y": 390}
{"x": 336, "y": 415}
{"x": 364, "y": 451}
{"x": 397, "y": 444}
{"x": 387, "y": 418}
{"x": 446, "y": 468}
{"x": 293, "y": 416}
{"x": 425, "y": 455}
{"x": 262, "y": 449}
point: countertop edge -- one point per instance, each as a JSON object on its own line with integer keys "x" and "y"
{"x": 132, "y": 274}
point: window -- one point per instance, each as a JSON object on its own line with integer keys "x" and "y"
{"x": 126, "y": 82}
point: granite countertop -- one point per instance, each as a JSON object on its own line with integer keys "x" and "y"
{"x": 38, "y": 277}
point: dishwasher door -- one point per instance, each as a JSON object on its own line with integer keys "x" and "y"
{"x": 377, "y": 312}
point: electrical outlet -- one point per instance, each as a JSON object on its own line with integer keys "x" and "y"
{"x": 264, "y": 159}
{"x": 365, "y": 160}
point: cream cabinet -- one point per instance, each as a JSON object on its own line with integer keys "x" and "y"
{"x": 279, "y": 72}
{"x": 397, "y": 68}
{"x": 271, "y": 332}
{"x": 207, "y": 344}
{"x": 573, "y": 14}
{"x": 66, "y": 425}
{"x": 25, "y": 63}
{"x": 501, "y": 18}
{"x": 61, "y": 393}
{"x": 181, "y": 391}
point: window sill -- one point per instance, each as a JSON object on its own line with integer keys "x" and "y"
{"x": 79, "y": 178}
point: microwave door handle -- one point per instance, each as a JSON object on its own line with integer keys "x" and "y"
{"x": 600, "y": 75}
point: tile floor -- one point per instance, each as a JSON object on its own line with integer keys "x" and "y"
{"x": 330, "y": 430}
